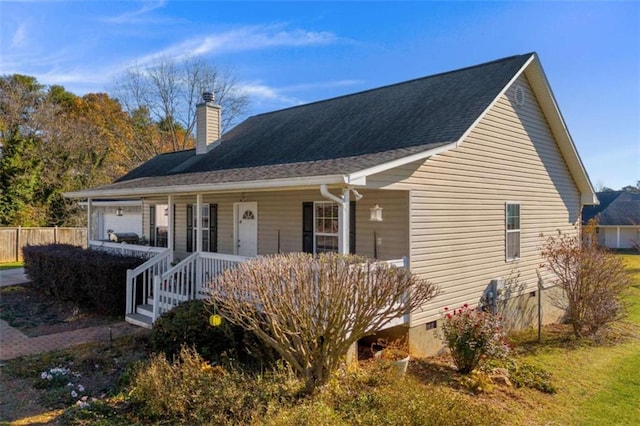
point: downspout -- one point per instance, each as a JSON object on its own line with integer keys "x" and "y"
{"x": 343, "y": 216}
{"x": 171, "y": 233}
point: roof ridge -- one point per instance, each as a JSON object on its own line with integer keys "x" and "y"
{"x": 373, "y": 89}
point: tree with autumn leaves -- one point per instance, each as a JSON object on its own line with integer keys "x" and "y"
{"x": 53, "y": 141}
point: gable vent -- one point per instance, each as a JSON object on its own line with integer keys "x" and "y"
{"x": 519, "y": 96}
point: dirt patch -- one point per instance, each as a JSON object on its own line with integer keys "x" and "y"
{"x": 35, "y": 314}
{"x": 87, "y": 372}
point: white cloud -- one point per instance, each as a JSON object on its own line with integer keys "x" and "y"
{"x": 19, "y": 38}
{"x": 135, "y": 17}
{"x": 320, "y": 85}
{"x": 277, "y": 97}
{"x": 241, "y": 39}
{"x": 261, "y": 93}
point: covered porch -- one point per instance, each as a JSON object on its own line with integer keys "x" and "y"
{"x": 193, "y": 237}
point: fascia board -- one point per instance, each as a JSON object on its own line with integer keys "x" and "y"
{"x": 495, "y": 100}
{"x": 558, "y": 126}
{"x": 220, "y": 187}
{"x": 113, "y": 203}
{"x": 422, "y": 155}
{"x": 355, "y": 178}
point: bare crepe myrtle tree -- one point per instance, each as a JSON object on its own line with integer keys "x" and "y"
{"x": 312, "y": 309}
{"x": 592, "y": 278}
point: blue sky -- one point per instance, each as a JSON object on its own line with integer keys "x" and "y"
{"x": 289, "y": 53}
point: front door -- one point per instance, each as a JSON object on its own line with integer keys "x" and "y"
{"x": 247, "y": 229}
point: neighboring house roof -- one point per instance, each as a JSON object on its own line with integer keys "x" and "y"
{"x": 617, "y": 208}
{"x": 342, "y": 140}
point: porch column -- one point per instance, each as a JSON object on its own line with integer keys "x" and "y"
{"x": 343, "y": 216}
{"x": 171, "y": 230}
{"x": 88, "y": 221}
{"x": 199, "y": 222}
{"x": 617, "y": 237}
{"x": 343, "y": 223}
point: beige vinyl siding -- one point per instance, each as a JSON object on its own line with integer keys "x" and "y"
{"x": 458, "y": 204}
{"x": 281, "y": 211}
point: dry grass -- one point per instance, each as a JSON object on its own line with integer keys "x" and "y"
{"x": 597, "y": 383}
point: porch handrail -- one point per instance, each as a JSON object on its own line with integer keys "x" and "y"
{"x": 189, "y": 279}
{"x": 404, "y": 319}
{"x": 147, "y": 270}
{"x": 172, "y": 286}
{"x": 126, "y": 249}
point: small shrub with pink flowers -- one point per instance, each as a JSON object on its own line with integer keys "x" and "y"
{"x": 473, "y": 336}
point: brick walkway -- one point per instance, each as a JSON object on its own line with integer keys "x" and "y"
{"x": 14, "y": 343}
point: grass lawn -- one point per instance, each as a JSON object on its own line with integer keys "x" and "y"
{"x": 597, "y": 384}
{"x": 10, "y": 265}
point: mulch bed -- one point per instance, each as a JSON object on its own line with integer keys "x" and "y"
{"x": 35, "y": 314}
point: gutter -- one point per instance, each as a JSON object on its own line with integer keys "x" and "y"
{"x": 184, "y": 189}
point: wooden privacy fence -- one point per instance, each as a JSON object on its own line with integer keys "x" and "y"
{"x": 12, "y": 240}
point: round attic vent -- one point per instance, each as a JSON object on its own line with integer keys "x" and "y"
{"x": 519, "y": 96}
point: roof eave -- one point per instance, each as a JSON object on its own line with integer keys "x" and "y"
{"x": 264, "y": 184}
{"x": 540, "y": 85}
{"x": 359, "y": 177}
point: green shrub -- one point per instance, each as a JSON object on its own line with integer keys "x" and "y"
{"x": 530, "y": 376}
{"x": 473, "y": 336}
{"x": 92, "y": 280}
{"x": 52, "y": 269}
{"x": 523, "y": 374}
{"x": 188, "y": 325}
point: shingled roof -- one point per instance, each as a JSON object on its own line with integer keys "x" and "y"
{"x": 616, "y": 208}
{"x": 402, "y": 118}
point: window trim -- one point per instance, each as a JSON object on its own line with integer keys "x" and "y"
{"x": 508, "y": 231}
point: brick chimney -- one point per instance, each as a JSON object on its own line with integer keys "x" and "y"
{"x": 207, "y": 122}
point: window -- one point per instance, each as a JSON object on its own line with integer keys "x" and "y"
{"x": 512, "y": 211}
{"x": 320, "y": 227}
{"x": 158, "y": 225}
{"x": 208, "y": 228}
{"x": 325, "y": 227}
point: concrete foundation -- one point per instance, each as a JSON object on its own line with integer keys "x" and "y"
{"x": 519, "y": 312}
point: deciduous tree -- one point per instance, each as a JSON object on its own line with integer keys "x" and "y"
{"x": 169, "y": 90}
{"x": 592, "y": 278}
{"x": 312, "y": 309}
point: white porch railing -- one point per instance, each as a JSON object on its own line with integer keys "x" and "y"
{"x": 124, "y": 249}
{"x": 189, "y": 279}
{"x": 143, "y": 276}
{"x": 158, "y": 260}
{"x": 399, "y": 263}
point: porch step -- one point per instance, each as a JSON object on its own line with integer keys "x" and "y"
{"x": 146, "y": 310}
{"x": 139, "y": 320}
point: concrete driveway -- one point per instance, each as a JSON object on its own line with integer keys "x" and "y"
{"x": 13, "y": 276}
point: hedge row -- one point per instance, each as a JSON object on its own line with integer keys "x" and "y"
{"x": 92, "y": 280}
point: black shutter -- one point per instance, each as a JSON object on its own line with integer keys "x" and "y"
{"x": 189, "y": 228}
{"x": 152, "y": 226}
{"x": 307, "y": 227}
{"x": 213, "y": 227}
{"x": 174, "y": 226}
{"x": 352, "y": 227}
